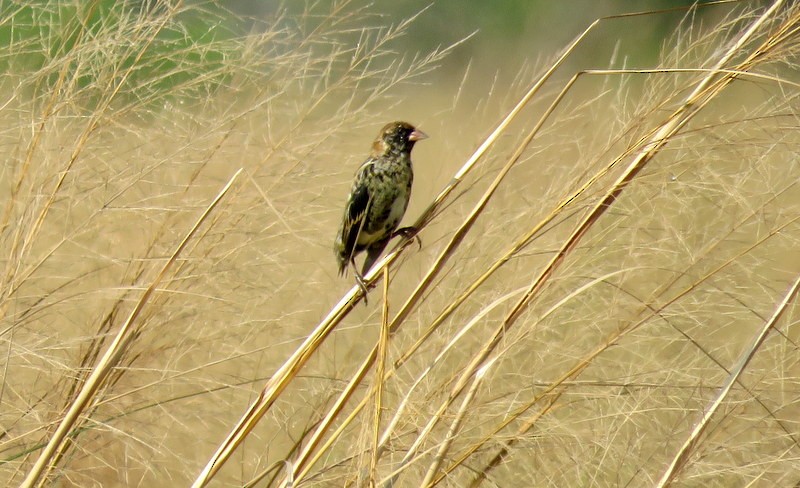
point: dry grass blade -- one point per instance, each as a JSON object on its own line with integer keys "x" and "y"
{"x": 111, "y": 357}
{"x": 694, "y": 102}
{"x": 398, "y": 410}
{"x": 552, "y": 392}
{"x": 383, "y": 346}
{"x": 455, "y": 425}
{"x": 702, "y": 94}
{"x": 115, "y": 83}
{"x": 278, "y": 382}
{"x": 682, "y": 456}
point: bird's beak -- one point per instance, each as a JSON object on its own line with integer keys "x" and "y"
{"x": 417, "y": 135}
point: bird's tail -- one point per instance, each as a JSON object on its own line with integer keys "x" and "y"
{"x": 341, "y": 255}
{"x": 373, "y": 253}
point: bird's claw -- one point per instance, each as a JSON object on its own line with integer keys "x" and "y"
{"x": 409, "y": 232}
{"x": 361, "y": 284}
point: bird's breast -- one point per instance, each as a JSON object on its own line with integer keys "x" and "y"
{"x": 389, "y": 194}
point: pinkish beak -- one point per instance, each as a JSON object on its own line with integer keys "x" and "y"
{"x": 417, "y": 135}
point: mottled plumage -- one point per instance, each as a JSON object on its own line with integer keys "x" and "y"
{"x": 378, "y": 198}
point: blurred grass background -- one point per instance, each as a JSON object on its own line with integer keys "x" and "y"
{"x": 122, "y": 120}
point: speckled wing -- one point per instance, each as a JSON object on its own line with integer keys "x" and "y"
{"x": 353, "y": 221}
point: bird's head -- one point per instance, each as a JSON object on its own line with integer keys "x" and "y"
{"x": 397, "y": 137}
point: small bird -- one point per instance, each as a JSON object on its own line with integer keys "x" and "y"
{"x": 378, "y": 199}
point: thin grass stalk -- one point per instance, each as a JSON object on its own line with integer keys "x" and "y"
{"x": 273, "y": 388}
{"x": 111, "y": 357}
{"x": 47, "y": 112}
{"x": 440, "y": 356}
{"x": 412, "y": 454}
{"x": 681, "y": 457}
{"x": 498, "y": 458}
{"x": 703, "y": 93}
{"x": 263, "y": 474}
{"x": 697, "y": 99}
{"x": 406, "y": 397}
{"x": 457, "y": 389}
{"x": 455, "y": 425}
{"x": 557, "y": 387}
{"x": 694, "y": 102}
{"x": 383, "y": 344}
{"x": 94, "y": 122}
{"x": 38, "y": 131}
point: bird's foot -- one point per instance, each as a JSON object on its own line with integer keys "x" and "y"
{"x": 361, "y": 284}
{"x": 409, "y": 232}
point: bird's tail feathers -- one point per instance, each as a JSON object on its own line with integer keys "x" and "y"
{"x": 373, "y": 253}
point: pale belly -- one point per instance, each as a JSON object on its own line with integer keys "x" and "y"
{"x": 385, "y": 215}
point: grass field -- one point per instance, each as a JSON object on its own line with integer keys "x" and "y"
{"x": 605, "y": 295}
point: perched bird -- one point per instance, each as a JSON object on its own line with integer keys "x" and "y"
{"x": 378, "y": 198}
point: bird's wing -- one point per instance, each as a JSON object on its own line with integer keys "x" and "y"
{"x": 355, "y": 213}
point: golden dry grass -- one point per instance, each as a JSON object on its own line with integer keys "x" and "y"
{"x": 605, "y": 295}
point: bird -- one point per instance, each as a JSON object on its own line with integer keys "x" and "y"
{"x": 378, "y": 199}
